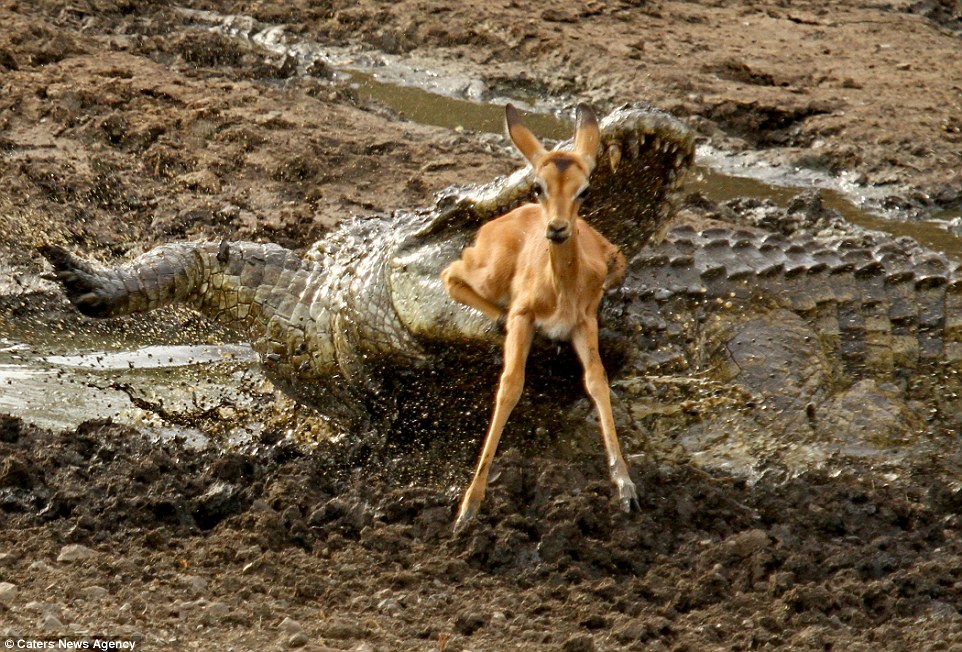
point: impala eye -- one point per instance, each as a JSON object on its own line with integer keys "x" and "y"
{"x": 537, "y": 190}
{"x": 582, "y": 194}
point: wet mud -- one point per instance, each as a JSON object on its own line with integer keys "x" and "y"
{"x": 228, "y": 517}
{"x": 224, "y": 546}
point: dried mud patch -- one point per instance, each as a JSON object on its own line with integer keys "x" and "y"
{"x": 763, "y": 125}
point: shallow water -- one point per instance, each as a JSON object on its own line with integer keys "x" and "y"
{"x": 718, "y": 176}
{"x": 61, "y": 391}
{"x": 155, "y": 357}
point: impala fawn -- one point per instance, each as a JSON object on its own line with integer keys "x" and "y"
{"x": 543, "y": 267}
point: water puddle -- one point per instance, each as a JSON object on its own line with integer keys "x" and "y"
{"x": 424, "y": 107}
{"x": 45, "y": 398}
{"x": 718, "y": 176}
{"x": 156, "y": 357}
{"x": 61, "y": 391}
{"x": 421, "y": 91}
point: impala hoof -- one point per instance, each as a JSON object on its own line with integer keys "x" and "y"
{"x": 628, "y": 496}
{"x": 465, "y": 518}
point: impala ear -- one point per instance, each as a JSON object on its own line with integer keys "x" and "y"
{"x": 587, "y": 135}
{"x": 521, "y": 136}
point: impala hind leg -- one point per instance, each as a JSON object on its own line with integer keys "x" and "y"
{"x": 517, "y": 344}
{"x": 585, "y": 342}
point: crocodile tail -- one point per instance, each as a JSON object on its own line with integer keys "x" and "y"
{"x": 157, "y": 278}
{"x": 225, "y": 281}
{"x": 262, "y": 290}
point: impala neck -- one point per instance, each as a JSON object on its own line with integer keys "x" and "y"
{"x": 564, "y": 259}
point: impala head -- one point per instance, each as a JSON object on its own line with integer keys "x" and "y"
{"x": 561, "y": 178}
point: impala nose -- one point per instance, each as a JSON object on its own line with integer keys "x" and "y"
{"x": 557, "y": 232}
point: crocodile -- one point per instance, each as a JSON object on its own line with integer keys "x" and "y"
{"x": 826, "y": 332}
{"x": 336, "y": 326}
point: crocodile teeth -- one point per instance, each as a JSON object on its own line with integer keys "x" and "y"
{"x": 614, "y": 156}
{"x": 633, "y": 149}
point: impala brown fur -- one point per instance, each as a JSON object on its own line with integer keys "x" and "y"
{"x": 542, "y": 267}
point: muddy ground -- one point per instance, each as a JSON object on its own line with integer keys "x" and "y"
{"x": 123, "y": 126}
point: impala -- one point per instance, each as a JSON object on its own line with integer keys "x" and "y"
{"x": 541, "y": 267}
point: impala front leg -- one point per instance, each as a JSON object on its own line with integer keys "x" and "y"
{"x": 585, "y": 342}
{"x": 460, "y": 289}
{"x": 517, "y": 343}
